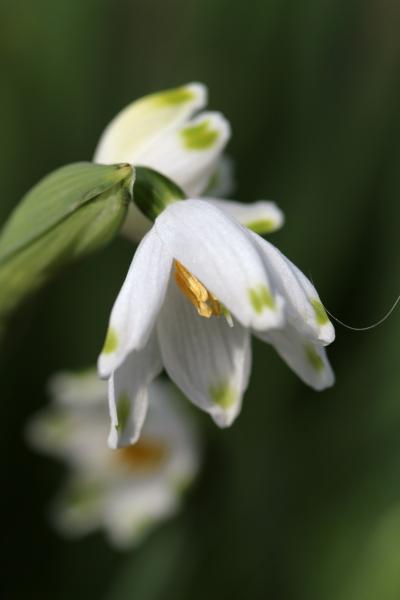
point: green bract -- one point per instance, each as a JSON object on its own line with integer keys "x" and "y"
{"x": 153, "y": 192}
{"x": 70, "y": 213}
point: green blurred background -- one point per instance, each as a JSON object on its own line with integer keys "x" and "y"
{"x": 300, "y": 499}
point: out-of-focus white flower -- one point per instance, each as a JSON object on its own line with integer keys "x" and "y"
{"x": 125, "y": 491}
{"x": 198, "y": 286}
{"x": 164, "y": 132}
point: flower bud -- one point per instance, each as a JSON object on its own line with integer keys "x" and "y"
{"x": 70, "y": 213}
{"x": 153, "y": 192}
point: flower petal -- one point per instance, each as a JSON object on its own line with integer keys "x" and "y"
{"x": 81, "y": 389}
{"x": 130, "y": 512}
{"x": 309, "y": 361}
{"x": 190, "y": 169}
{"x": 206, "y": 358}
{"x": 261, "y": 216}
{"x": 303, "y": 306}
{"x": 128, "y": 393}
{"x": 78, "y": 508}
{"x": 220, "y": 253}
{"x": 145, "y": 120}
{"x": 138, "y": 303}
{"x": 326, "y": 329}
{"x": 189, "y": 154}
{"x": 72, "y": 432}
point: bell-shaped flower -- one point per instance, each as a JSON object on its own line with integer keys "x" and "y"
{"x": 125, "y": 491}
{"x": 198, "y": 286}
{"x": 166, "y": 132}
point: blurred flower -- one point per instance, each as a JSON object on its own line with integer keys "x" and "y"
{"x": 161, "y": 131}
{"x": 198, "y": 285}
{"x": 126, "y": 491}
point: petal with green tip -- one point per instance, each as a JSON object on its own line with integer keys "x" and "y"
{"x": 206, "y": 358}
{"x": 138, "y": 303}
{"x": 300, "y": 295}
{"x": 128, "y": 394}
{"x": 189, "y": 154}
{"x": 144, "y": 121}
{"x": 218, "y": 251}
{"x": 309, "y": 361}
{"x": 261, "y": 217}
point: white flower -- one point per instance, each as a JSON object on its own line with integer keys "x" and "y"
{"x": 163, "y": 132}
{"x": 127, "y": 490}
{"x": 198, "y": 286}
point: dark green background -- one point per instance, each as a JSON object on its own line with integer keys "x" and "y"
{"x": 300, "y": 500}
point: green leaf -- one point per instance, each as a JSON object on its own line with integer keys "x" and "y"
{"x": 153, "y": 192}
{"x": 54, "y": 199}
{"x": 69, "y": 214}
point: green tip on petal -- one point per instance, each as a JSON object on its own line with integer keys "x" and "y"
{"x": 173, "y": 97}
{"x": 123, "y": 411}
{"x": 223, "y": 395}
{"x": 111, "y": 342}
{"x": 262, "y": 226}
{"x": 261, "y": 298}
{"x": 320, "y": 312}
{"x": 200, "y": 136}
{"x": 314, "y": 358}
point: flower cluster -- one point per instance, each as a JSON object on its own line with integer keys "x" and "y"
{"x": 125, "y": 491}
{"x": 166, "y": 132}
{"x": 202, "y": 279}
{"x": 201, "y": 283}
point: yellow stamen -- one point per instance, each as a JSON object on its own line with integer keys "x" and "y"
{"x": 206, "y": 304}
{"x": 143, "y": 456}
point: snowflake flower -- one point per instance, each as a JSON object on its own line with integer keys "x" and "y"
{"x": 198, "y": 286}
{"x": 125, "y": 491}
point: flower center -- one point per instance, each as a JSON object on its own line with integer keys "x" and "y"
{"x": 203, "y": 300}
{"x": 145, "y": 455}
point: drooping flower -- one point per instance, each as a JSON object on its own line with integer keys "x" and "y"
{"x": 125, "y": 491}
{"x": 165, "y": 131}
{"x": 198, "y": 286}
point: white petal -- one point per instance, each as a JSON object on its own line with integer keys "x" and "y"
{"x": 189, "y": 168}
{"x": 78, "y": 509}
{"x": 261, "y": 216}
{"x": 220, "y": 253}
{"x": 138, "y": 303}
{"x": 222, "y": 182}
{"x": 75, "y": 434}
{"x": 144, "y": 121}
{"x": 132, "y": 511}
{"x": 170, "y": 422}
{"x": 309, "y": 361}
{"x": 81, "y": 389}
{"x": 128, "y": 393}
{"x": 208, "y": 360}
{"x": 189, "y": 154}
{"x": 303, "y": 306}
{"x": 326, "y": 329}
